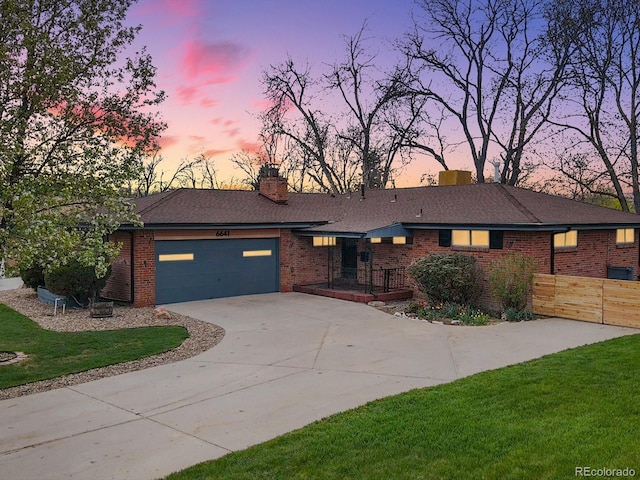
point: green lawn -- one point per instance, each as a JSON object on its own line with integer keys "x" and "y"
{"x": 537, "y": 420}
{"x": 53, "y": 354}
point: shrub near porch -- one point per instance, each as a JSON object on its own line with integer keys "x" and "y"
{"x": 449, "y": 278}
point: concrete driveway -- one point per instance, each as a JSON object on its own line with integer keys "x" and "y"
{"x": 286, "y": 361}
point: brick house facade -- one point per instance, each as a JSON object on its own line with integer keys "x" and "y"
{"x": 526, "y": 222}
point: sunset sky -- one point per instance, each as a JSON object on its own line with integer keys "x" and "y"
{"x": 210, "y": 55}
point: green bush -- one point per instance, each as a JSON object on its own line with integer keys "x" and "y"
{"x": 472, "y": 316}
{"x": 515, "y": 315}
{"x": 33, "y": 276}
{"x": 449, "y": 311}
{"x": 76, "y": 281}
{"x": 448, "y": 278}
{"x": 511, "y": 279}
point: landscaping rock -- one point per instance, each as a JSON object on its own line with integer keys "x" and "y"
{"x": 202, "y": 336}
{"x": 162, "y": 313}
{"x": 376, "y": 303}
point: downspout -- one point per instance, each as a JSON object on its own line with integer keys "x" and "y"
{"x": 329, "y": 269}
{"x": 132, "y": 268}
{"x": 552, "y": 257}
{"x": 635, "y": 239}
{"x": 370, "y": 250}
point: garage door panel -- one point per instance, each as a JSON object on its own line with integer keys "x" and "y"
{"x": 215, "y": 268}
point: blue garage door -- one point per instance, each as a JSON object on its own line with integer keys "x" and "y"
{"x": 189, "y": 270}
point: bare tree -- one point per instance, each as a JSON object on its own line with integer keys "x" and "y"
{"x": 491, "y": 72}
{"x": 197, "y": 173}
{"x": 289, "y": 88}
{"x": 338, "y": 125}
{"x": 422, "y": 129}
{"x": 604, "y": 101}
{"x": 367, "y": 100}
{"x": 250, "y": 164}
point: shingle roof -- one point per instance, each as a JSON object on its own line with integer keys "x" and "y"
{"x": 487, "y": 205}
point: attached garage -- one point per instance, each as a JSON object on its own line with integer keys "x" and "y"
{"x": 188, "y": 270}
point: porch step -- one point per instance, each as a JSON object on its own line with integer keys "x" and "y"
{"x": 360, "y": 297}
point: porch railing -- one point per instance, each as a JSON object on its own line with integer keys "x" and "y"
{"x": 388, "y": 278}
{"x": 371, "y": 281}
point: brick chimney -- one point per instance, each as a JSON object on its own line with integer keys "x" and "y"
{"x": 274, "y": 187}
{"x": 454, "y": 177}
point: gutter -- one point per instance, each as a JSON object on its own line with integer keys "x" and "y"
{"x": 552, "y": 255}
{"x": 325, "y": 233}
{"x": 132, "y": 267}
{"x": 519, "y": 227}
{"x": 216, "y": 226}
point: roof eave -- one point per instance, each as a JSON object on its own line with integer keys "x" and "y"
{"x": 216, "y": 226}
{"x": 532, "y": 227}
{"x": 338, "y": 234}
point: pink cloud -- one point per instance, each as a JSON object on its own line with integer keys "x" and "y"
{"x": 171, "y": 8}
{"x": 251, "y": 147}
{"x": 167, "y": 141}
{"x": 262, "y": 104}
{"x": 187, "y": 94}
{"x": 214, "y": 152}
{"x": 223, "y": 122}
{"x": 183, "y": 8}
{"x": 212, "y": 63}
{"x": 229, "y": 127}
{"x": 232, "y": 132}
{"x": 209, "y": 102}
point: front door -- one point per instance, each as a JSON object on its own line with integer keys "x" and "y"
{"x": 350, "y": 258}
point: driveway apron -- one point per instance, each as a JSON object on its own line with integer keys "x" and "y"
{"x": 286, "y": 360}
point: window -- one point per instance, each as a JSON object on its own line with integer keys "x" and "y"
{"x": 470, "y": 238}
{"x": 625, "y": 235}
{"x": 399, "y": 240}
{"x": 375, "y": 240}
{"x": 566, "y": 239}
{"x": 256, "y": 253}
{"x": 175, "y": 257}
{"x": 324, "y": 241}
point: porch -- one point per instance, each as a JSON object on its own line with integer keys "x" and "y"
{"x": 384, "y": 284}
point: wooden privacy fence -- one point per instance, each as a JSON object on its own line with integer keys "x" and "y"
{"x": 597, "y": 300}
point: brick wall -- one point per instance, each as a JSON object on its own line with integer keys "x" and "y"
{"x": 595, "y": 252}
{"x": 425, "y": 243}
{"x": 144, "y": 279}
{"x": 144, "y": 263}
{"x": 301, "y": 263}
{"x": 119, "y": 283}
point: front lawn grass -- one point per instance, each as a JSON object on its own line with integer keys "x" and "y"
{"x": 53, "y": 354}
{"x": 537, "y": 420}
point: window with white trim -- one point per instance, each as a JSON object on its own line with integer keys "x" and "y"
{"x": 625, "y": 236}
{"x": 470, "y": 238}
{"x": 566, "y": 239}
